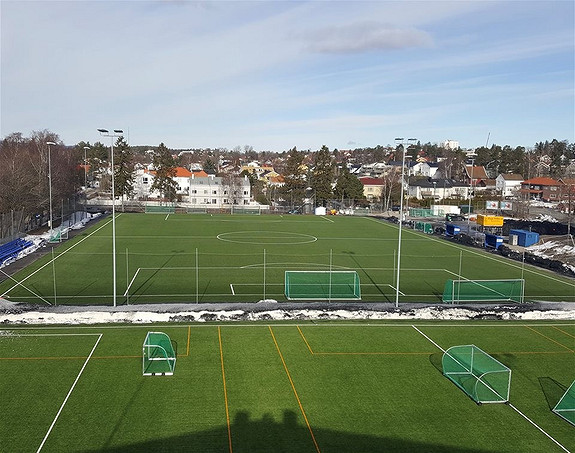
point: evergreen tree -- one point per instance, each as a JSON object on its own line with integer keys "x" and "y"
{"x": 295, "y": 181}
{"x": 323, "y": 176}
{"x": 165, "y": 167}
{"x": 124, "y": 170}
{"x": 348, "y": 186}
{"x": 210, "y": 166}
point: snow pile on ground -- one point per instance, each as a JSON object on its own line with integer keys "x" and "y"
{"x": 14, "y": 313}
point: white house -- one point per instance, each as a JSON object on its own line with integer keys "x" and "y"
{"x": 218, "y": 192}
{"x": 508, "y": 184}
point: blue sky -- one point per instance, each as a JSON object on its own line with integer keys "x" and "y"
{"x": 279, "y": 74}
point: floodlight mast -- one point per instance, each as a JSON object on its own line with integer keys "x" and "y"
{"x": 50, "y": 184}
{"x": 404, "y": 144}
{"x": 112, "y": 135}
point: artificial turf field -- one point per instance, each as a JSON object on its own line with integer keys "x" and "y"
{"x": 243, "y": 258}
{"x": 307, "y": 387}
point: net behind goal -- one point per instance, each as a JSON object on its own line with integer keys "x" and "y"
{"x": 565, "y": 408}
{"x": 159, "y": 357}
{"x": 480, "y": 376}
{"x": 322, "y": 285}
{"x": 456, "y": 291}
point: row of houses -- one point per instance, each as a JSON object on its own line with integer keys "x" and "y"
{"x": 197, "y": 188}
{"x": 507, "y": 186}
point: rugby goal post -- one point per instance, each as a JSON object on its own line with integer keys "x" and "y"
{"x": 322, "y": 285}
{"x": 510, "y": 290}
{"x": 482, "y": 377}
{"x": 158, "y": 355}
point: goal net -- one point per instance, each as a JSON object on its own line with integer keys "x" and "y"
{"x": 322, "y": 285}
{"x": 565, "y": 408}
{"x": 160, "y": 209}
{"x": 480, "y": 376}
{"x": 456, "y": 291}
{"x": 159, "y": 358}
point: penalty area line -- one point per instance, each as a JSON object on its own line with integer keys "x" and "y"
{"x": 232, "y": 288}
{"x": 537, "y": 426}
{"x": 68, "y": 395}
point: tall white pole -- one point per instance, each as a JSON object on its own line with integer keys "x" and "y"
{"x": 50, "y": 184}
{"x": 404, "y": 145}
{"x": 116, "y": 133}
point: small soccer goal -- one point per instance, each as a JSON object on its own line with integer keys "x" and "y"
{"x": 159, "y": 357}
{"x": 456, "y": 291}
{"x": 483, "y": 378}
{"x": 322, "y": 285}
{"x": 565, "y": 408}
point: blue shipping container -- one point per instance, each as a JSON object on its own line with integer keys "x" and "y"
{"x": 524, "y": 238}
{"x": 494, "y": 241}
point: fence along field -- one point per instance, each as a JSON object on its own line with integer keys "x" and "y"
{"x": 326, "y": 387}
{"x": 243, "y": 258}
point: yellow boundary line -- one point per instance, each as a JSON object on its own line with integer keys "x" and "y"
{"x": 294, "y": 391}
{"x": 550, "y": 339}
{"x": 225, "y": 391}
{"x": 562, "y": 331}
{"x": 427, "y": 353}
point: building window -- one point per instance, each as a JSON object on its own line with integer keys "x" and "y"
{"x": 194, "y": 201}
{"x": 214, "y": 201}
{"x": 214, "y": 192}
{"x": 144, "y": 180}
{"x": 245, "y": 192}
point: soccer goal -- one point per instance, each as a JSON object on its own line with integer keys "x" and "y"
{"x": 565, "y": 408}
{"x": 169, "y": 208}
{"x": 322, "y": 285}
{"x": 456, "y": 291}
{"x": 480, "y": 376}
{"x": 159, "y": 358}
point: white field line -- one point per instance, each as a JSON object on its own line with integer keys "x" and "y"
{"x": 511, "y": 263}
{"x": 58, "y": 256}
{"x": 68, "y": 395}
{"x": 232, "y": 288}
{"x": 167, "y": 215}
{"x": 287, "y": 324}
{"x": 25, "y": 287}
{"x": 329, "y": 220}
{"x": 132, "y": 281}
{"x": 536, "y": 426}
{"x": 50, "y": 334}
{"x": 508, "y": 402}
{"x": 433, "y": 342}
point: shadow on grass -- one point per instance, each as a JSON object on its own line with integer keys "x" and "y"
{"x": 289, "y": 435}
{"x": 373, "y": 282}
{"x": 552, "y": 390}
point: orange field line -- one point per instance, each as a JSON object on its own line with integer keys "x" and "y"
{"x": 373, "y": 353}
{"x": 550, "y": 339}
{"x": 188, "y": 344}
{"x": 225, "y": 391}
{"x": 562, "y": 331}
{"x": 294, "y": 390}
{"x": 305, "y": 341}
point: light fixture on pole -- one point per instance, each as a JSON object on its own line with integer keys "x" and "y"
{"x": 404, "y": 144}
{"x": 470, "y": 191}
{"x": 114, "y": 134}
{"x": 50, "y": 184}
{"x": 85, "y": 168}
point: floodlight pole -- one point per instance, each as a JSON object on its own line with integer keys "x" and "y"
{"x": 470, "y": 190}
{"x": 50, "y": 184}
{"x": 404, "y": 144}
{"x": 112, "y": 135}
{"x": 85, "y": 168}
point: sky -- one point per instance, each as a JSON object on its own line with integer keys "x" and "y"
{"x": 281, "y": 74}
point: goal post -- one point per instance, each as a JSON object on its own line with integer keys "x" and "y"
{"x": 511, "y": 290}
{"x": 565, "y": 407}
{"x": 322, "y": 285}
{"x": 482, "y": 377}
{"x": 158, "y": 355}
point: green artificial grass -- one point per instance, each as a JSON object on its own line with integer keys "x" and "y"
{"x": 243, "y": 258}
{"x": 323, "y": 387}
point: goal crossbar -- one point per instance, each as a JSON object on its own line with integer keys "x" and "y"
{"x": 465, "y": 290}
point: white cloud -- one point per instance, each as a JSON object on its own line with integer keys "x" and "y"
{"x": 365, "y": 37}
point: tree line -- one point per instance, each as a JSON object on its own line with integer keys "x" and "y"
{"x": 320, "y": 176}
